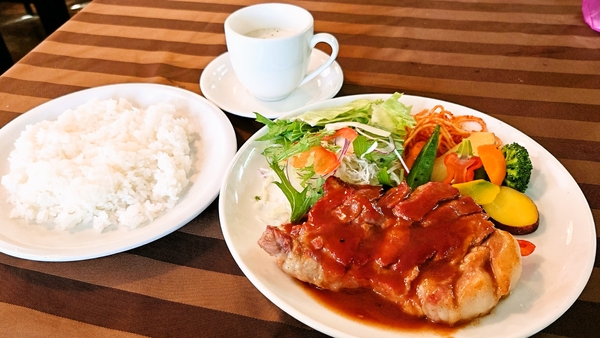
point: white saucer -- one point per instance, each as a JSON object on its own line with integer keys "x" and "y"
{"x": 220, "y": 85}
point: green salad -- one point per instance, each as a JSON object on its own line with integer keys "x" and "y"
{"x": 360, "y": 142}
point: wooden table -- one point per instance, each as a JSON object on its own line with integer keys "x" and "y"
{"x": 533, "y": 64}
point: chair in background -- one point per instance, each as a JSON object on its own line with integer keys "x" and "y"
{"x": 52, "y": 14}
{"x": 5, "y": 58}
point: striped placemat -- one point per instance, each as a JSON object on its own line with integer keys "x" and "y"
{"x": 533, "y": 64}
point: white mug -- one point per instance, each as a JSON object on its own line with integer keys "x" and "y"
{"x": 269, "y": 46}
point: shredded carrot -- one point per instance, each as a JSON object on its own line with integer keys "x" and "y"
{"x": 452, "y": 128}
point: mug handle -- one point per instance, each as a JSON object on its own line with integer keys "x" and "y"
{"x": 331, "y": 41}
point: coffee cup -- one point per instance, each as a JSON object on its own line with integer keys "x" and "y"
{"x": 269, "y": 46}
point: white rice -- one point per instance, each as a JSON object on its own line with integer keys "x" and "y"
{"x": 103, "y": 163}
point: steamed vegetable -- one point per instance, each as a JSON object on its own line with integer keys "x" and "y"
{"x": 423, "y": 166}
{"x": 482, "y": 191}
{"x": 513, "y": 211}
{"x": 477, "y": 138}
{"x": 493, "y": 162}
{"x": 518, "y": 166}
{"x": 461, "y": 165}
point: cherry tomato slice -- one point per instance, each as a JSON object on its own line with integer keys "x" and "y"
{"x": 300, "y": 160}
{"x": 347, "y": 133}
{"x": 325, "y": 161}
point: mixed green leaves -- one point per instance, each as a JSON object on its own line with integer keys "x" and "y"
{"x": 287, "y": 138}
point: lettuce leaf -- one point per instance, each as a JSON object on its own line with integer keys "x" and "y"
{"x": 357, "y": 111}
{"x": 390, "y": 115}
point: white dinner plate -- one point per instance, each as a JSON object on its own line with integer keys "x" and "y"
{"x": 220, "y": 85}
{"x": 214, "y": 149}
{"x": 552, "y": 279}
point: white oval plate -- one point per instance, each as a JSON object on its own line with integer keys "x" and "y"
{"x": 215, "y": 148}
{"x": 220, "y": 85}
{"x": 553, "y": 276}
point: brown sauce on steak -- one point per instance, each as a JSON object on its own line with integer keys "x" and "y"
{"x": 353, "y": 234}
{"x": 397, "y": 258}
{"x": 367, "y": 307}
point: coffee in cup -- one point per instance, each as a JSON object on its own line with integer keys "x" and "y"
{"x": 269, "y": 46}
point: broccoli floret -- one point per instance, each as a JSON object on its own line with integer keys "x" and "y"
{"x": 518, "y": 166}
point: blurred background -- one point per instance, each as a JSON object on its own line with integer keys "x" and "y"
{"x": 21, "y": 28}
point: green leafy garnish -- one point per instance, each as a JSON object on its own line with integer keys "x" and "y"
{"x": 361, "y": 145}
{"x": 300, "y": 202}
{"x": 284, "y": 131}
{"x": 384, "y": 177}
{"x": 288, "y": 137}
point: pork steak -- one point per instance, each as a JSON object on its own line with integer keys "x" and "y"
{"x": 431, "y": 251}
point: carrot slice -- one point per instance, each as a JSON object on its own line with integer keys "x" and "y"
{"x": 494, "y": 162}
{"x": 460, "y": 170}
